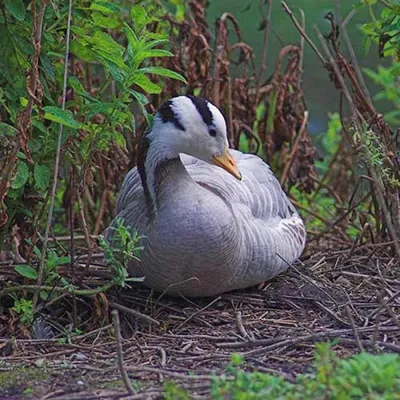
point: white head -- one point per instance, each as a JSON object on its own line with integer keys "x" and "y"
{"x": 193, "y": 126}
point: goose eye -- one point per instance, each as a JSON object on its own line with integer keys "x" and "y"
{"x": 212, "y": 132}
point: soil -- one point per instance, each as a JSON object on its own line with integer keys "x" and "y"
{"x": 350, "y": 296}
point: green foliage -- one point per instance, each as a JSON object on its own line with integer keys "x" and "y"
{"x": 114, "y": 67}
{"x": 24, "y": 308}
{"x": 26, "y": 271}
{"x": 363, "y": 376}
{"x": 322, "y": 203}
{"x": 124, "y": 248}
{"x": 387, "y": 78}
{"x": 118, "y": 43}
{"x": 174, "y": 392}
{"x": 330, "y": 141}
{"x": 385, "y": 31}
{"x": 374, "y": 150}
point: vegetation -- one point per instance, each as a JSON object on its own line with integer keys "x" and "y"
{"x": 363, "y": 376}
{"x": 79, "y": 81}
{"x": 110, "y": 50}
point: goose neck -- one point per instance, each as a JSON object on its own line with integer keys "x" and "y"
{"x": 161, "y": 170}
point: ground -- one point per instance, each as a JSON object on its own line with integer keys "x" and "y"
{"x": 353, "y": 296}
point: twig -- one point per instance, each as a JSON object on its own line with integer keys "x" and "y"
{"x": 302, "y": 32}
{"x": 301, "y": 61}
{"x": 229, "y": 116}
{"x": 392, "y": 315}
{"x": 72, "y": 242}
{"x": 58, "y": 159}
{"x": 263, "y": 65}
{"x": 239, "y": 322}
{"x": 294, "y": 148}
{"x": 332, "y": 314}
{"x": 316, "y": 337}
{"x": 309, "y": 280}
{"x": 199, "y": 311}
{"x": 133, "y": 312}
{"x": 170, "y": 373}
{"x": 354, "y": 328}
{"x": 357, "y": 240}
{"x": 352, "y": 54}
{"x": 56, "y": 289}
{"x": 122, "y": 370}
{"x": 378, "y": 189}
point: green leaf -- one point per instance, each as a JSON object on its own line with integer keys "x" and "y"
{"x": 16, "y": 8}
{"x": 7, "y": 130}
{"x": 26, "y": 271}
{"x": 119, "y": 74}
{"x": 106, "y": 48}
{"x": 119, "y": 139}
{"x": 42, "y": 175}
{"x": 142, "y": 55}
{"x": 63, "y": 260}
{"x": 47, "y": 67}
{"x": 154, "y": 43}
{"x": 105, "y": 7}
{"x": 105, "y": 21}
{"x": 163, "y": 72}
{"x": 145, "y": 83}
{"x": 22, "y": 175}
{"x": 76, "y": 84}
{"x": 140, "y": 97}
{"x": 131, "y": 35}
{"x": 139, "y": 16}
{"x": 81, "y": 50}
{"x": 63, "y": 117}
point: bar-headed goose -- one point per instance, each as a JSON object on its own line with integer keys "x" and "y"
{"x": 213, "y": 219}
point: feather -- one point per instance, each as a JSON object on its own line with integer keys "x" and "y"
{"x": 214, "y": 233}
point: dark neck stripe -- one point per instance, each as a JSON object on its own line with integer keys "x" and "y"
{"x": 143, "y": 148}
{"x": 167, "y": 114}
{"x": 202, "y": 108}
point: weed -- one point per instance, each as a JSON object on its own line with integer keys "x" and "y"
{"x": 24, "y": 308}
{"x": 363, "y": 376}
{"x": 124, "y": 248}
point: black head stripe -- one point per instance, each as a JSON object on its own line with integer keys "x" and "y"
{"x": 202, "y": 108}
{"x": 167, "y": 115}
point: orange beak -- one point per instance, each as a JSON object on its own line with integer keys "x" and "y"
{"x": 228, "y": 163}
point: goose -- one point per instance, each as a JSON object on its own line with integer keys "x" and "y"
{"x": 212, "y": 219}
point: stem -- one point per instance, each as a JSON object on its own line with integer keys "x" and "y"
{"x": 71, "y": 290}
{"x": 265, "y": 48}
{"x": 302, "y": 32}
{"x": 58, "y": 159}
{"x": 352, "y": 53}
{"x": 386, "y": 4}
{"x": 120, "y": 353}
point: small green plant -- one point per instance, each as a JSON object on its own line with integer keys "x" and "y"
{"x": 51, "y": 275}
{"x": 362, "y": 376}
{"x": 173, "y": 392}
{"x": 388, "y": 79}
{"x": 374, "y": 150}
{"x": 24, "y": 308}
{"x": 124, "y": 248}
{"x": 384, "y": 30}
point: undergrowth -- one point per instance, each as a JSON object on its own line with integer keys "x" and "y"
{"x": 362, "y": 376}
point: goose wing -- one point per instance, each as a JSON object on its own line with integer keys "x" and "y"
{"x": 273, "y": 232}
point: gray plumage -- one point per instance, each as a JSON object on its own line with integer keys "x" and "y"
{"x": 210, "y": 232}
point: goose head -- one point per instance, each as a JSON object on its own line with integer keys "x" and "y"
{"x": 193, "y": 126}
